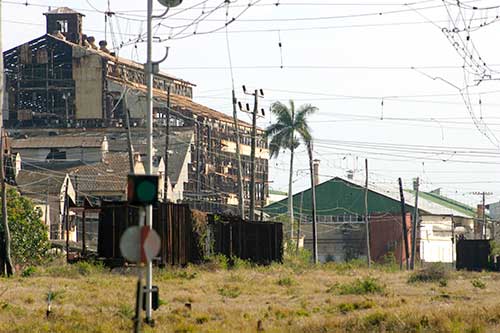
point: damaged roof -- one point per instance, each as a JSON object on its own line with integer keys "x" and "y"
{"x": 183, "y": 103}
{"x": 58, "y": 142}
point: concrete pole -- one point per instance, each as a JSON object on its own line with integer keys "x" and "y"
{"x": 251, "y": 217}
{"x": 148, "y": 69}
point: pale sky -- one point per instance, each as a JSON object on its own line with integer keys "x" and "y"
{"x": 345, "y": 57}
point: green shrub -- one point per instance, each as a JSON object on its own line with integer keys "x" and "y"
{"x": 86, "y": 267}
{"x": 285, "y": 281}
{"x": 367, "y": 285}
{"x": 348, "y": 307}
{"x": 229, "y": 291}
{"x": 28, "y": 271}
{"x": 434, "y": 273}
{"x": 476, "y": 283}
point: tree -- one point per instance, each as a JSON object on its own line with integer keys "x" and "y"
{"x": 30, "y": 243}
{"x": 282, "y": 134}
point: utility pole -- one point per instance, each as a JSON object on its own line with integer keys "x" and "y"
{"x": 256, "y": 94}
{"x": 313, "y": 197}
{"x": 367, "y": 225}
{"x": 65, "y": 217}
{"x": 129, "y": 136}
{"x": 299, "y": 220}
{"x": 7, "y": 266}
{"x": 150, "y": 68}
{"x": 403, "y": 222}
{"x": 167, "y": 145}
{"x": 241, "y": 195}
{"x": 414, "y": 227}
{"x": 483, "y": 212}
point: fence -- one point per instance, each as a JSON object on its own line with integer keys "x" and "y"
{"x": 173, "y": 222}
{"x": 473, "y": 254}
{"x": 259, "y": 242}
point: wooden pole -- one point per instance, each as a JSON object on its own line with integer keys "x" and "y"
{"x": 414, "y": 227}
{"x": 403, "y": 222}
{"x": 8, "y": 267}
{"x": 313, "y": 197}
{"x": 484, "y": 215}
{"x": 252, "y": 155}
{"x": 241, "y": 196}
{"x": 84, "y": 245}
{"x": 367, "y": 222}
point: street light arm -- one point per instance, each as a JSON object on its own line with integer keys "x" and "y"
{"x": 164, "y": 57}
{"x": 161, "y": 15}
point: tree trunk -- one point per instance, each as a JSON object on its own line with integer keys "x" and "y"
{"x": 290, "y": 193}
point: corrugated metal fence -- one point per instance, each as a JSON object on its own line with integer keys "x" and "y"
{"x": 259, "y": 242}
{"x": 173, "y": 222}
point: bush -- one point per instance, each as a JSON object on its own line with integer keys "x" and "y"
{"x": 476, "y": 283}
{"x": 367, "y": 285}
{"x": 89, "y": 267}
{"x": 348, "y": 307}
{"x": 285, "y": 282}
{"x": 433, "y": 273}
{"x": 28, "y": 271}
{"x": 229, "y": 291}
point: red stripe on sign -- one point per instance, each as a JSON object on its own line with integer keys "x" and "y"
{"x": 144, "y": 235}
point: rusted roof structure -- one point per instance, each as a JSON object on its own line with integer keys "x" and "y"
{"x": 58, "y": 142}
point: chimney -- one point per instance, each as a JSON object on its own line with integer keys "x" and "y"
{"x": 316, "y": 172}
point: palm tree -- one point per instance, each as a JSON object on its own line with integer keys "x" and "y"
{"x": 289, "y": 130}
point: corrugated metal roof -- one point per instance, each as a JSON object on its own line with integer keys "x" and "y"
{"x": 58, "y": 142}
{"x": 339, "y": 196}
{"x": 392, "y": 191}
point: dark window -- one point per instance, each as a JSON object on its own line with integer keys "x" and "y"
{"x": 55, "y": 154}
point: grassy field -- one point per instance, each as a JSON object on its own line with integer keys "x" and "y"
{"x": 279, "y": 298}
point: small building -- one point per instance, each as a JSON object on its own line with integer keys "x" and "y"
{"x": 341, "y": 215}
{"x": 49, "y": 193}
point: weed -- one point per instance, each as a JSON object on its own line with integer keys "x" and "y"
{"x": 476, "y": 283}
{"x": 302, "y": 313}
{"x": 28, "y": 271}
{"x": 229, "y": 291}
{"x": 177, "y": 274}
{"x": 367, "y": 285}
{"x": 202, "y": 319}
{"x": 434, "y": 273}
{"x": 126, "y": 311}
{"x": 375, "y": 319}
{"x": 348, "y": 307}
{"x": 285, "y": 282}
{"x": 86, "y": 268}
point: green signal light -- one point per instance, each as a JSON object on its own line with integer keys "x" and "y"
{"x": 142, "y": 190}
{"x": 146, "y": 191}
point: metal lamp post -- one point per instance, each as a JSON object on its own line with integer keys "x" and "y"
{"x": 149, "y": 70}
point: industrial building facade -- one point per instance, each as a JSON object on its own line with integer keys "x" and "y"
{"x": 63, "y": 81}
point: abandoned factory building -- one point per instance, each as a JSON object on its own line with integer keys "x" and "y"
{"x": 63, "y": 84}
